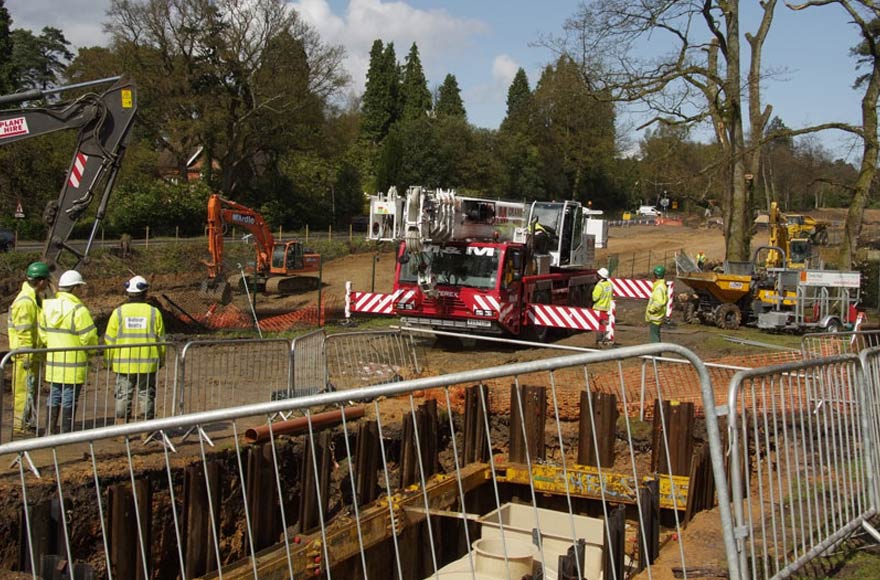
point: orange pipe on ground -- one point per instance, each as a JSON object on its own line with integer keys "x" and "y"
{"x": 293, "y": 426}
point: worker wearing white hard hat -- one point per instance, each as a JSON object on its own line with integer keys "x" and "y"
{"x": 65, "y": 323}
{"x": 602, "y": 295}
{"x": 135, "y": 323}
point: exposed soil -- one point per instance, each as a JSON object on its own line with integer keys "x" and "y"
{"x": 631, "y": 245}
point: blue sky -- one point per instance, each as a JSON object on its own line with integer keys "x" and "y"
{"x": 483, "y": 42}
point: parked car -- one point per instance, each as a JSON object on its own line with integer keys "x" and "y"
{"x": 7, "y": 240}
{"x": 648, "y": 210}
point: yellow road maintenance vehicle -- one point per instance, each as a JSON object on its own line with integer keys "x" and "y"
{"x": 770, "y": 298}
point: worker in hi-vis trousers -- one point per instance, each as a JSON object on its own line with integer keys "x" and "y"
{"x": 602, "y": 294}
{"x": 135, "y": 323}
{"x": 65, "y": 323}
{"x": 655, "y": 313}
{"x": 23, "y": 333}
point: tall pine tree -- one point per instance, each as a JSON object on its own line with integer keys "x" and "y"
{"x": 449, "y": 101}
{"x": 414, "y": 93}
{"x": 380, "y": 105}
{"x": 519, "y": 103}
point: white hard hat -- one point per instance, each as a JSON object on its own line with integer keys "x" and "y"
{"x": 70, "y": 278}
{"x": 137, "y": 285}
{"x": 603, "y": 273}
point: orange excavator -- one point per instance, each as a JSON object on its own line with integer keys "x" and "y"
{"x": 278, "y": 264}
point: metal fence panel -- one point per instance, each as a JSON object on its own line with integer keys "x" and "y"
{"x": 823, "y": 344}
{"x": 95, "y": 406}
{"x": 410, "y": 489}
{"x": 309, "y": 364}
{"x": 358, "y": 359}
{"x": 800, "y": 456}
{"x": 217, "y": 374}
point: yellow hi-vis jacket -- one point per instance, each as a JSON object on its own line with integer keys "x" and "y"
{"x": 135, "y": 323}
{"x": 65, "y": 322}
{"x": 23, "y": 323}
{"x": 602, "y": 295}
{"x": 655, "y": 313}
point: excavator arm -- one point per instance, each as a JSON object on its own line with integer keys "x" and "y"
{"x": 103, "y": 121}
{"x": 224, "y": 211}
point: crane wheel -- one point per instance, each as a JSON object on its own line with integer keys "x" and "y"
{"x": 728, "y": 317}
{"x": 535, "y": 333}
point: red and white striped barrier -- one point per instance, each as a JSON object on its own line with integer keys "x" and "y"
{"x": 374, "y": 302}
{"x": 570, "y": 317}
{"x": 640, "y": 289}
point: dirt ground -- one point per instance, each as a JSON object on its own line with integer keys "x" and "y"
{"x": 636, "y": 248}
{"x": 644, "y": 245}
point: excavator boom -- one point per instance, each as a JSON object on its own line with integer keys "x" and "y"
{"x": 103, "y": 120}
{"x": 276, "y": 264}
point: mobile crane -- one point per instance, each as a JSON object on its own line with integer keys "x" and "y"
{"x": 278, "y": 264}
{"x": 104, "y": 121}
{"x": 484, "y": 266}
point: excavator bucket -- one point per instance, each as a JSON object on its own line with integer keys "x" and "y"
{"x": 216, "y": 290}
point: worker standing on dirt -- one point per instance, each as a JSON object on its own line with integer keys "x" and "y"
{"x": 655, "y": 313}
{"x": 24, "y": 333}
{"x": 602, "y": 294}
{"x": 700, "y": 259}
{"x": 135, "y": 322}
{"x": 66, "y": 323}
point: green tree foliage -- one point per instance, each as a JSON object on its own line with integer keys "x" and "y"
{"x": 348, "y": 193}
{"x": 161, "y": 205}
{"x": 574, "y": 131}
{"x": 449, "y": 101}
{"x": 33, "y": 173}
{"x": 381, "y": 94}
{"x": 519, "y": 103}
{"x": 38, "y": 61}
{"x": 5, "y": 50}
{"x": 415, "y": 98}
{"x": 248, "y": 81}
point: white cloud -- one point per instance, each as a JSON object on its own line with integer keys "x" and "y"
{"x": 487, "y": 100}
{"x": 80, "y": 20}
{"x": 504, "y": 69}
{"x": 440, "y": 36}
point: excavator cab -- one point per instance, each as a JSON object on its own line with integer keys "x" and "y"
{"x": 287, "y": 257}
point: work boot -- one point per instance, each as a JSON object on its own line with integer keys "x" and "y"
{"x": 51, "y": 420}
{"x": 66, "y": 419}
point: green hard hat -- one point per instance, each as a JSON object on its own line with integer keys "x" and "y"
{"x": 660, "y": 271}
{"x": 38, "y": 270}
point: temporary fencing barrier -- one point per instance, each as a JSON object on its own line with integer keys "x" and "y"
{"x": 216, "y": 374}
{"x": 803, "y": 444}
{"x": 359, "y": 359}
{"x": 216, "y": 516}
{"x": 309, "y": 364}
{"x": 823, "y": 344}
{"x": 93, "y": 403}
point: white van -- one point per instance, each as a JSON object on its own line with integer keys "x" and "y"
{"x": 648, "y": 210}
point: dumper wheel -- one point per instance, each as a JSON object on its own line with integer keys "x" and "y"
{"x": 690, "y": 314}
{"x": 728, "y": 317}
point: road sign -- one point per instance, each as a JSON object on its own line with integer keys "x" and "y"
{"x": 19, "y": 211}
